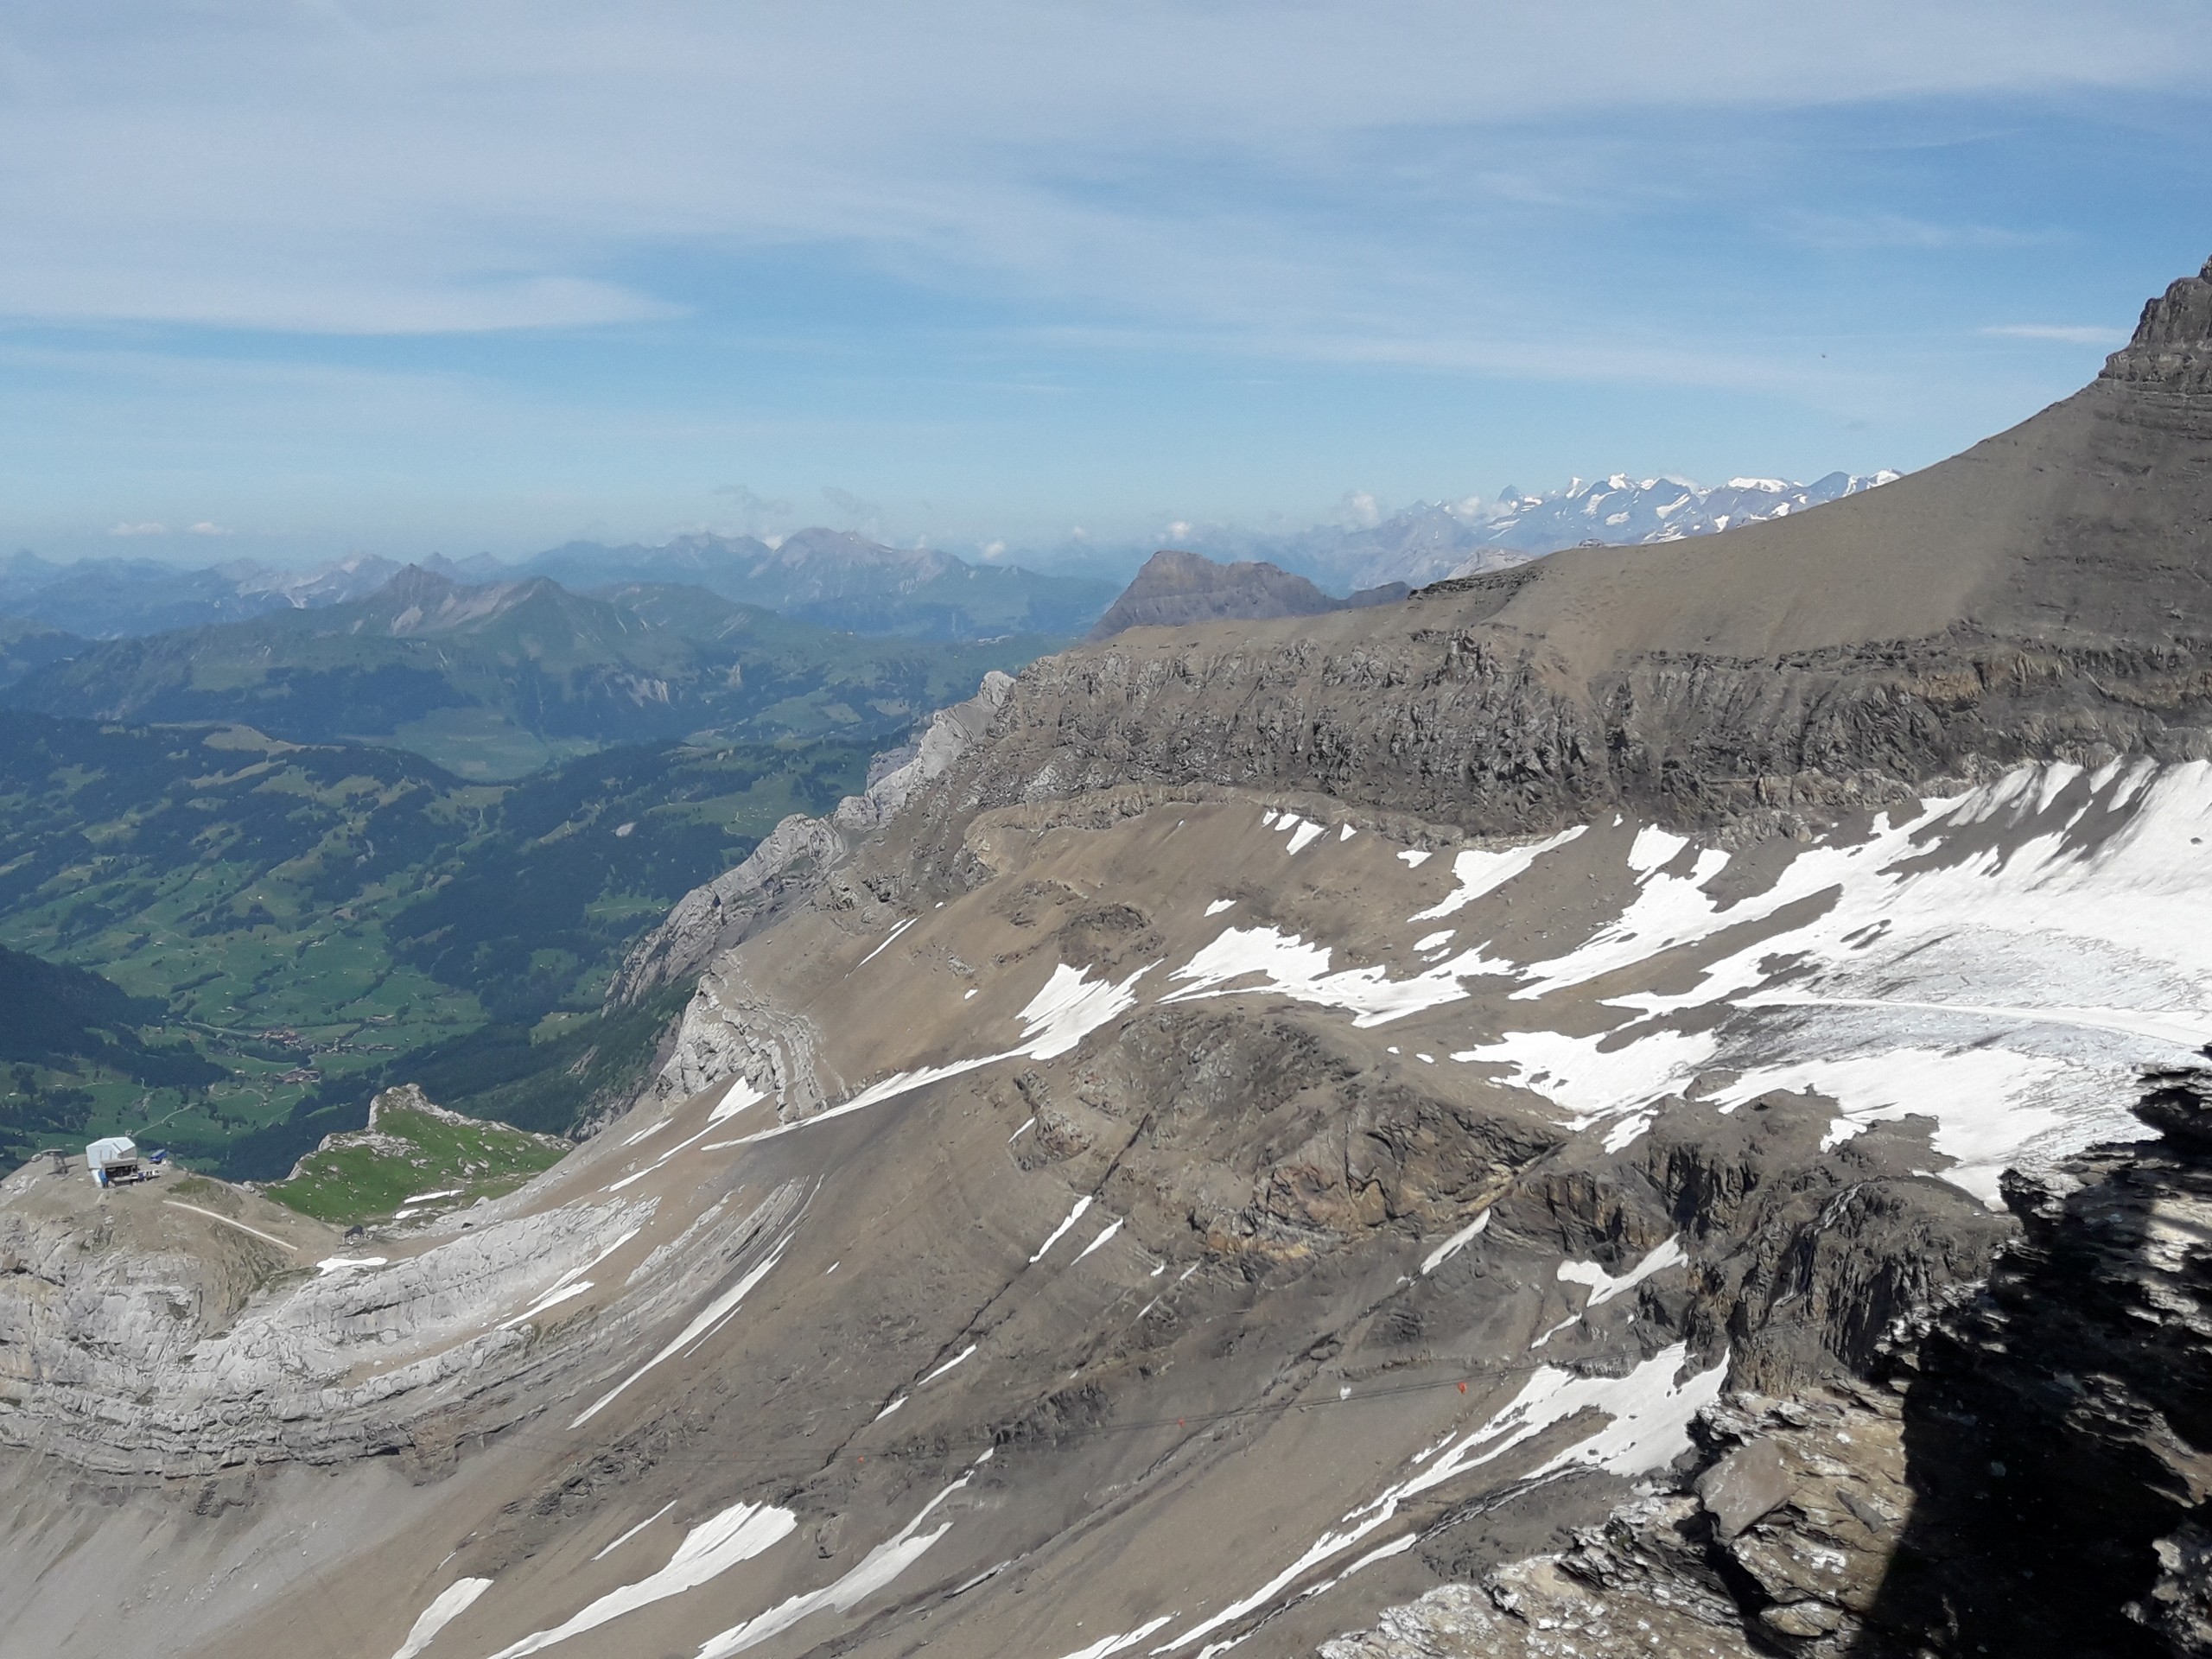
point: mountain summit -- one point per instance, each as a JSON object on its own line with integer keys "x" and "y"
{"x": 1175, "y": 588}
{"x": 2172, "y": 346}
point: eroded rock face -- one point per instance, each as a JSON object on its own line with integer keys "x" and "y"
{"x": 1541, "y": 1609}
{"x": 2059, "y": 1424}
{"x": 1778, "y": 1545}
{"x": 2172, "y": 347}
{"x": 139, "y": 1338}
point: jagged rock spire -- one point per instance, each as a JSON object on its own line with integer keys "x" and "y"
{"x": 2172, "y": 346}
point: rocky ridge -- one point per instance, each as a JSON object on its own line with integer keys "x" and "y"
{"x": 271, "y": 1340}
{"x": 2042, "y": 595}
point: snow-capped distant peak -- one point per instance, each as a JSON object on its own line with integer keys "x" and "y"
{"x": 1430, "y": 541}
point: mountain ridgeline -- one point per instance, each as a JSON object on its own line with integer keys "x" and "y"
{"x": 847, "y": 582}
{"x": 831, "y": 579}
{"x": 1176, "y": 588}
{"x": 836, "y": 580}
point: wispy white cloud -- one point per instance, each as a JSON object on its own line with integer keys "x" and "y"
{"x": 750, "y": 512}
{"x": 207, "y": 527}
{"x": 1887, "y": 230}
{"x": 695, "y": 240}
{"x": 147, "y": 529}
{"x": 2071, "y": 334}
{"x": 514, "y": 165}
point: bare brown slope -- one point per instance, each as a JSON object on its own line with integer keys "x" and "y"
{"x": 2042, "y": 595}
{"x": 2085, "y": 524}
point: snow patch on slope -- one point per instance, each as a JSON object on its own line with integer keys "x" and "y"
{"x": 452, "y": 1602}
{"x": 710, "y": 1549}
{"x": 874, "y": 1571}
{"x": 1648, "y": 1416}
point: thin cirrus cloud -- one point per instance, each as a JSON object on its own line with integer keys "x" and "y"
{"x": 398, "y": 169}
{"x": 1892, "y": 230}
{"x": 2065, "y": 332}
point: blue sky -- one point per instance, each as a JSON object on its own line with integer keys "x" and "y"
{"x": 321, "y": 277}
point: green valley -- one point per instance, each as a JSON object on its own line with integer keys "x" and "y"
{"x": 282, "y": 928}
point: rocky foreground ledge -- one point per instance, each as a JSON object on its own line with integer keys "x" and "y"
{"x": 2029, "y": 1472}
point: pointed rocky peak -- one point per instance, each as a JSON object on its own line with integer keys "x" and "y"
{"x": 414, "y": 585}
{"x": 2172, "y": 346}
{"x": 1175, "y": 588}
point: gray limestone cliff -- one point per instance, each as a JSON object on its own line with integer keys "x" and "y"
{"x": 2045, "y": 595}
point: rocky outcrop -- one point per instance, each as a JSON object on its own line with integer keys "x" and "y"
{"x": 711, "y": 919}
{"x": 375, "y": 1138}
{"x": 2059, "y": 1424}
{"x": 2172, "y": 346}
{"x": 1778, "y": 1544}
{"x": 728, "y": 1031}
{"x": 1175, "y": 588}
{"x": 1457, "y": 723}
{"x": 129, "y": 1347}
{"x": 184, "y": 1330}
{"x": 2031, "y": 1475}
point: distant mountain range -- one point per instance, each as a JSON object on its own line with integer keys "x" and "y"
{"x": 104, "y": 599}
{"x": 493, "y": 681}
{"x": 836, "y": 580}
{"x": 843, "y": 582}
{"x": 829, "y": 578}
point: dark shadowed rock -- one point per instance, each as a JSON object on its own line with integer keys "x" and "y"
{"x": 2170, "y": 347}
{"x": 2058, "y": 1432}
{"x": 2035, "y": 1480}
